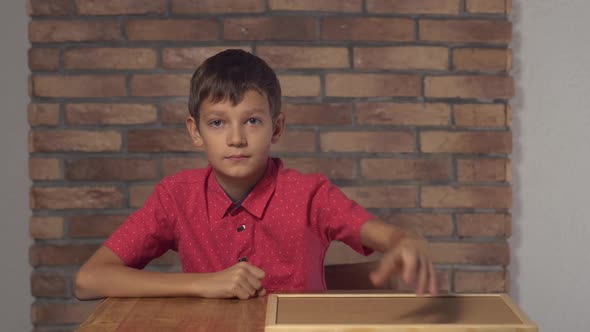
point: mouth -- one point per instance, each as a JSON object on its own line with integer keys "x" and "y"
{"x": 237, "y": 157}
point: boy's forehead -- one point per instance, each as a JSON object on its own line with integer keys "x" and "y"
{"x": 251, "y": 101}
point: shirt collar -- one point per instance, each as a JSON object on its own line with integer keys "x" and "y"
{"x": 255, "y": 202}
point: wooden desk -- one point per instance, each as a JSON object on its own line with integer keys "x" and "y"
{"x": 176, "y": 314}
{"x": 349, "y": 311}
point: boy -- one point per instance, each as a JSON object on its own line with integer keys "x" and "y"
{"x": 244, "y": 225}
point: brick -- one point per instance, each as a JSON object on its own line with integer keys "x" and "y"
{"x": 466, "y": 31}
{"x": 44, "y": 169}
{"x": 54, "y": 31}
{"x": 466, "y": 142}
{"x": 299, "y": 28}
{"x": 94, "y": 226}
{"x": 342, "y": 6}
{"x": 300, "y": 85}
{"x": 334, "y": 168}
{"x": 138, "y": 194}
{"x": 174, "y": 112}
{"x": 45, "y": 59}
{"x": 402, "y": 57}
{"x": 49, "y": 7}
{"x": 57, "y": 198}
{"x": 481, "y": 87}
{"x": 487, "y": 253}
{"x": 472, "y": 170}
{"x": 482, "y": 59}
{"x": 175, "y": 165}
{"x": 61, "y": 254}
{"x": 184, "y": 7}
{"x": 110, "y": 58}
{"x": 373, "y": 85}
{"x": 406, "y": 169}
{"x": 159, "y": 140}
{"x": 121, "y": 7}
{"x": 403, "y": 114}
{"x": 480, "y": 115}
{"x": 110, "y": 114}
{"x": 413, "y": 7}
{"x": 484, "y": 225}
{"x": 74, "y": 141}
{"x": 61, "y": 313}
{"x": 383, "y": 196}
{"x": 425, "y": 224}
{"x": 296, "y": 141}
{"x": 160, "y": 85}
{"x": 49, "y": 284}
{"x": 46, "y": 227}
{"x": 481, "y": 282}
{"x": 172, "y": 29}
{"x": 375, "y": 141}
{"x": 43, "y": 114}
{"x": 110, "y": 169}
{"x": 79, "y": 86}
{"x": 298, "y": 57}
{"x": 367, "y": 29}
{"x": 466, "y": 197}
{"x": 192, "y": 57}
{"x": 488, "y": 6}
{"x": 318, "y": 114}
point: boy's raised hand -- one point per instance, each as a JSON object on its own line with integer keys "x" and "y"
{"x": 410, "y": 260}
{"x": 242, "y": 280}
{"x": 404, "y": 253}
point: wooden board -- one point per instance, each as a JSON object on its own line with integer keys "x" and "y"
{"x": 394, "y": 312}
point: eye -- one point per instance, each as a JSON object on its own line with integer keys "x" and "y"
{"x": 254, "y": 121}
{"x": 215, "y": 123}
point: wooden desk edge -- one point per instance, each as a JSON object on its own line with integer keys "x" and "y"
{"x": 272, "y": 308}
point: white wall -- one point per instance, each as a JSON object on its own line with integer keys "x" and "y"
{"x": 15, "y": 299}
{"x": 551, "y": 162}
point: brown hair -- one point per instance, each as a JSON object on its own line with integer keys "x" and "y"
{"x": 229, "y": 74}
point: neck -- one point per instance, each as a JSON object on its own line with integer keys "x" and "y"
{"x": 237, "y": 189}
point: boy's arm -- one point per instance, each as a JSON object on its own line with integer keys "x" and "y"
{"x": 105, "y": 275}
{"x": 404, "y": 253}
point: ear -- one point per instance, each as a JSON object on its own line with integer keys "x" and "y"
{"x": 193, "y": 131}
{"x": 278, "y": 127}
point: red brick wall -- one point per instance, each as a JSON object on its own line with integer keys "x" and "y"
{"x": 403, "y": 103}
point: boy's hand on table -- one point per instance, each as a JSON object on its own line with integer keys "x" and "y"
{"x": 410, "y": 259}
{"x": 242, "y": 280}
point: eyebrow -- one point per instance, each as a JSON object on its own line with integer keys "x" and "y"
{"x": 248, "y": 111}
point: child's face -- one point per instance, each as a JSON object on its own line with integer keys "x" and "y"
{"x": 237, "y": 139}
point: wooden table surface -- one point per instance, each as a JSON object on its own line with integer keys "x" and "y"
{"x": 177, "y": 314}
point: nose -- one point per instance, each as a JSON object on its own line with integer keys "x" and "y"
{"x": 236, "y": 137}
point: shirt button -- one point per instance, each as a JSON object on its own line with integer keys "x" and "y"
{"x": 241, "y": 228}
{"x": 242, "y": 259}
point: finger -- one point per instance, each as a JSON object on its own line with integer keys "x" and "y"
{"x": 422, "y": 275}
{"x": 255, "y": 271}
{"x": 239, "y": 292}
{"x": 247, "y": 289}
{"x": 388, "y": 265}
{"x": 261, "y": 292}
{"x": 433, "y": 287}
{"x": 253, "y": 281}
{"x": 410, "y": 265}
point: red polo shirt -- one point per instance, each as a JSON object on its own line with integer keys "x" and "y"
{"x": 284, "y": 226}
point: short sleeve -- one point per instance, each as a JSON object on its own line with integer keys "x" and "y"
{"x": 337, "y": 217}
{"x": 148, "y": 233}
